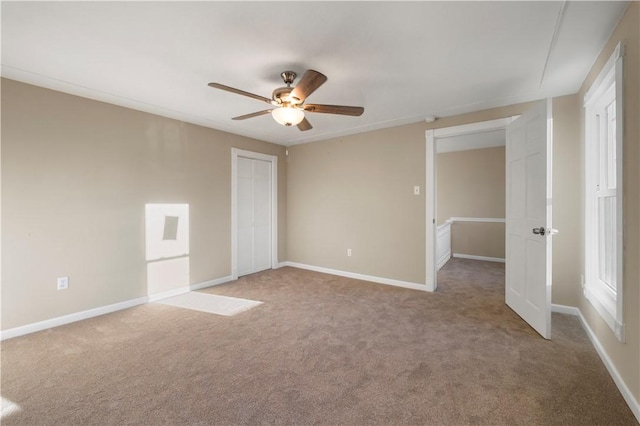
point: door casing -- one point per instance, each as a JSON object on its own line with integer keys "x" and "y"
{"x": 432, "y": 136}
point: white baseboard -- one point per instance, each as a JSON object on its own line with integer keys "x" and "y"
{"x": 379, "y": 280}
{"x": 102, "y": 310}
{"x": 633, "y": 404}
{"x": 186, "y": 289}
{"x": 67, "y": 319}
{"x": 564, "y": 309}
{"x": 443, "y": 261}
{"x": 473, "y": 257}
{"x": 170, "y": 293}
{"x": 210, "y": 283}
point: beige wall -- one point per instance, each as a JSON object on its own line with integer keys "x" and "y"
{"x": 478, "y": 239}
{"x": 566, "y": 200}
{"x": 625, "y": 356}
{"x": 76, "y": 175}
{"x": 357, "y": 192}
{"x": 472, "y": 184}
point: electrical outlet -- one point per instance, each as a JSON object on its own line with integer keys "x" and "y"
{"x": 63, "y": 283}
{"x": 349, "y": 252}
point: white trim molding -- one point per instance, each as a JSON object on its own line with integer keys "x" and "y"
{"x": 431, "y": 270}
{"x": 443, "y": 243}
{"x": 166, "y": 294}
{"x": 103, "y": 310}
{"x": 608, "y": 72}
{"x": 564, "y": 309}
{"x": 467, "y": 129}
{"x": 186, "y": 289}
{"x": 210, "y": 283}
{"x": 483, "y": 258}
{"x": 479, "y": 219}
{"x": 451, "y": 220}
{"x": 354, "y": 275}
{"x": 631, "y": 401}
{"x": 67, "y": 319}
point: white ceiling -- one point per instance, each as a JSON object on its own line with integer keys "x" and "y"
{"x": 401, "y": 61}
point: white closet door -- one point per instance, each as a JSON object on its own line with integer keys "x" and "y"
{"x": 254, "y": 215}
{"x": 261, "y": 215}
{"x": 245, "y": 216}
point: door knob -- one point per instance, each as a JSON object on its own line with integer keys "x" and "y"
{"x": 543, "y": 231}
{"x": 539, "y": 231}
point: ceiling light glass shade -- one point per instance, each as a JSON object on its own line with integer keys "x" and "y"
{"x": 288, "y": 116}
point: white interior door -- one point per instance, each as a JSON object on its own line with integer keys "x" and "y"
{"x": 528, "y": 217}
{"x": 254, "y": 215}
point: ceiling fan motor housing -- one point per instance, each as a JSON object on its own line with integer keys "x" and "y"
{"x": 282, "y": 96}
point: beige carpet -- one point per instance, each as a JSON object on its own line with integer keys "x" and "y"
{"x": 319, "y": 350}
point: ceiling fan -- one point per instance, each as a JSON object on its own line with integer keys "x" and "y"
{"x": 289, "y": 101}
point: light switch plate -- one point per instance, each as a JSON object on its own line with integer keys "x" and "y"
{"x": 63, "y": 283}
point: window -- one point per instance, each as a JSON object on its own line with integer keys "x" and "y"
{"x": 603, "y": 194}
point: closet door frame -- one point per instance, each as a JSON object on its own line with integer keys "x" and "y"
{"x": 235, "y": 154}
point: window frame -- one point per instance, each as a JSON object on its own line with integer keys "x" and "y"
{"x": 607, "y": 302}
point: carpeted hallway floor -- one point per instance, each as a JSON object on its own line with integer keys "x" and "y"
{"x": 321, "y": 349}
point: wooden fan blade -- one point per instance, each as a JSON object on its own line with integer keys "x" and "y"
{"x": 334, "y": 109}
{"x": 304, "y": 125}
{"x": 310, "y": 81}
{"x": 253, "y": 114}
{"x": 239, "y": 92}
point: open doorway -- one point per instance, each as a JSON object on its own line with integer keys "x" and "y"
{"x": 528, "y": 206}
{"x": 470, "y": 197}
{"x": 466, "y": 201}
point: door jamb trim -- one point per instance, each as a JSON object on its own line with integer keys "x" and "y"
{"x": 432, "y": 135}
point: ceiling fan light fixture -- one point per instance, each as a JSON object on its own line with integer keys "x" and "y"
{"x": 287, "y": 103}
{"x": 287, "y": 116}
